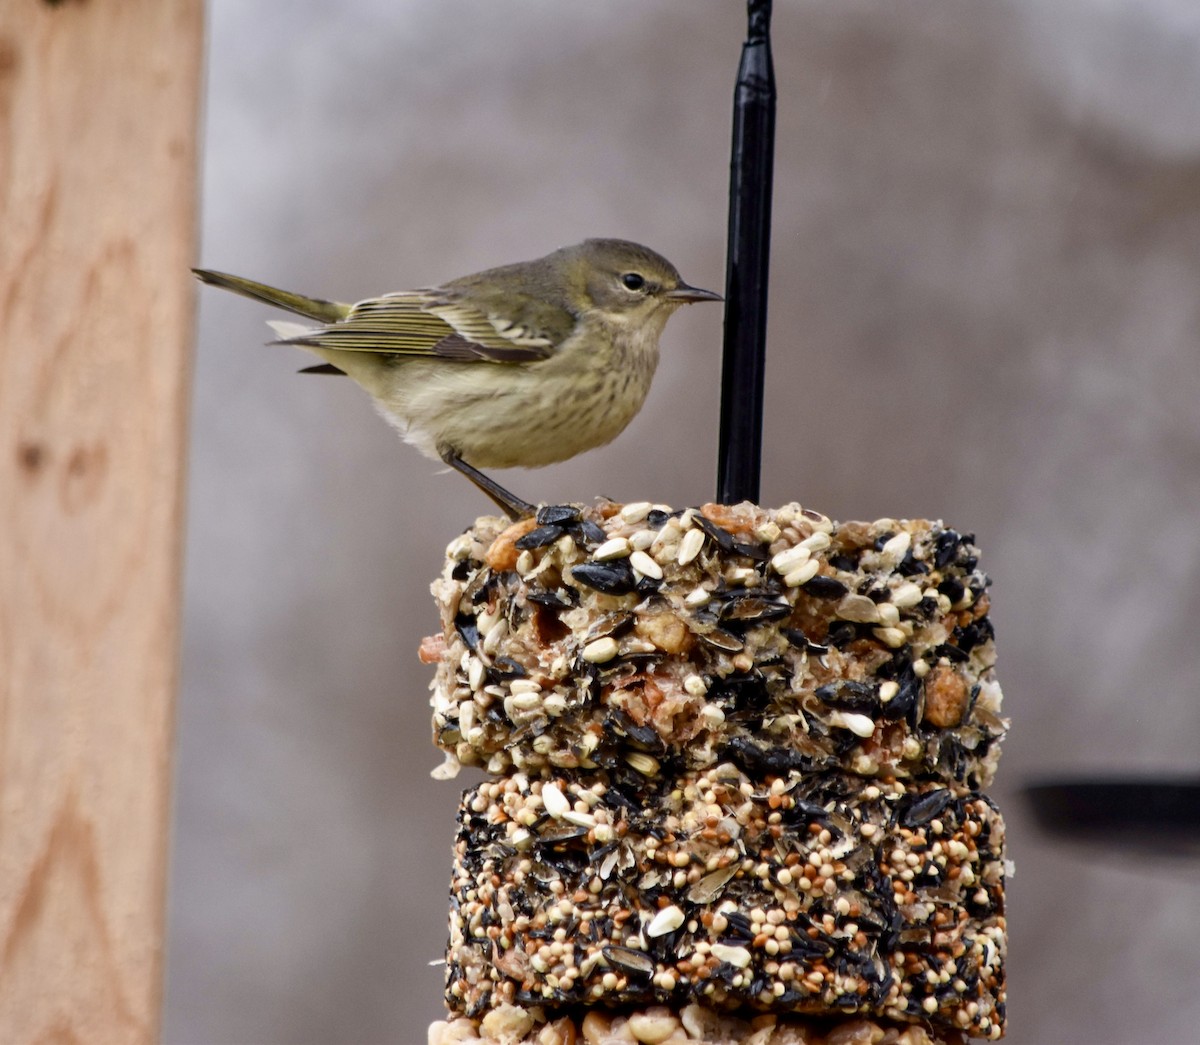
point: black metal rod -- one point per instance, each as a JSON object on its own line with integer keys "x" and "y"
{"x": 746, "y": 268}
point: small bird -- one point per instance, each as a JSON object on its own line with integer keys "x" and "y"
{"x": 518, "y": 366}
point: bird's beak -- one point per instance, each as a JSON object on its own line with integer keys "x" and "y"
{"x": 685, "y": 293}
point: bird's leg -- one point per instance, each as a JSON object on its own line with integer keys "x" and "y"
{"x": 512, "y": 505}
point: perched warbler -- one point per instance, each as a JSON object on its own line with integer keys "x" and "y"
{"x": 521, "y": 365}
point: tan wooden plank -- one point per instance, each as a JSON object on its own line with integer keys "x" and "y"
{"x": 98, "y": 105}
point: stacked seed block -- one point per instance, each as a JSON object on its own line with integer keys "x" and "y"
{"x": 738, "y": 756}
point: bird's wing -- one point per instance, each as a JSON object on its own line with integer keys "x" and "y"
{"x": 441, "y": 323}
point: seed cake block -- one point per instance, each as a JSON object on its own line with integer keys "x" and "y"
{"x": 739, "y": 755}
{"x": 775, "y": 639}
{"x": 690, "y": 1025}
{"x": 809, "y": 895}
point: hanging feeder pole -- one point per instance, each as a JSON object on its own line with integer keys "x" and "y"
{"x": 746, "y": 270}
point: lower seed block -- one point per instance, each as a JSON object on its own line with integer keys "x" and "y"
{"x": 801, "y": 894}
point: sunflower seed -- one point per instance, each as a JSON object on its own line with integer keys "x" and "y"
{"x": 859, "y": 725}
{"x": 617, "y": 548}
{"x": 601, "y": 650}
{"x": 802, "y": 574}
{"x": 897, "y": 547}
{"x": 689, "y": 546}
{"x": 817, "y": 542}
{"x": 645, "y": 565}
{"x": 736, "y": 956}
{"x": 790, "y": 558}
{"x": 906, "y": 595}
{"x": 554, "y": 800}
{"x": 635, "y": 512}
{"x": 645, "y": 764}
{"x": 666, "y": 921}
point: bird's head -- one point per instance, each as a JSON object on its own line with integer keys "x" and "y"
{"x": 630, "y": 284}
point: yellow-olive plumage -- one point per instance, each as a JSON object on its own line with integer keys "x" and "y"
{"x": 522, "y": 365}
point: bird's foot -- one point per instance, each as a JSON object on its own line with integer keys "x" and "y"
{"x": 509, "y": 502}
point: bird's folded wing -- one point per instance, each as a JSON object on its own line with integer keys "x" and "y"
{"x": 432, "y": 323}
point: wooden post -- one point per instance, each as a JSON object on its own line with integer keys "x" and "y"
{"x": 98, "y": 105}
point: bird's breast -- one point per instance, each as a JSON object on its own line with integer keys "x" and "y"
{"x": 528, "y": 414}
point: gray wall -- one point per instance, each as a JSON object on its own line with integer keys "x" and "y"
{"x": 986, "y": 250}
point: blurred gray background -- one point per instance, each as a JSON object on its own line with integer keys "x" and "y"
{"x": 985, "y": 262}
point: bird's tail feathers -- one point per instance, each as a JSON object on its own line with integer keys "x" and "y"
{"x": 313, "y": 308}
{"x": 288, "y": 333}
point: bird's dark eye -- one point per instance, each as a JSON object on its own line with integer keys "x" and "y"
{"x": 633, "y": 281}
